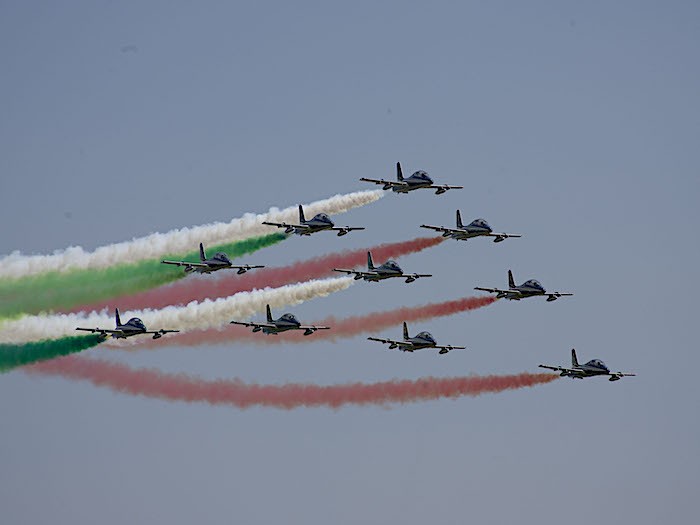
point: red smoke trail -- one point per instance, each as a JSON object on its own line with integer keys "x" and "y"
{"x": 224, "y": 284}
{"x": 180, "y": 387}
{"x": 348, "y": 327}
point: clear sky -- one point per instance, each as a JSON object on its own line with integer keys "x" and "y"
{"x": 575, "y": 124}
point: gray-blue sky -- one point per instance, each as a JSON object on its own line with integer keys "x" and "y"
{"x": 574, "y": 125}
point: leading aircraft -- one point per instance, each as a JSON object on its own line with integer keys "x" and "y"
{"x": 476, "y": 228}
{"x": 319, "y": 222}
{"x": 594, "y": 367}
{"x": 419, "y": 179}
{"x": 420, "y": 341}
{"x": 378, "y": 273}
{"x": 220, "y": 261}
{"x": 285, "y": 323}
{"x": 133, "y": 326}
{"x": 529, "y": 288}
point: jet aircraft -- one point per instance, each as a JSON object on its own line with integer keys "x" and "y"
{"x": 477, "y": 228}
{"x": 319, "y": 222}
{"x": 285, "y": 323}
{"x": 378, "y": 273}
{"x": 133, "y": 326}
{"x": 420, "y": 341}
{"x": 529, "y": 288}
{"x": 594, "y": 367}
{"x": 419, "y": 179}
{"x": 220, "y": 261}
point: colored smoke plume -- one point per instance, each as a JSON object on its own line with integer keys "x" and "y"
{"x": 63, "y": 290}
{"x": 235, "y": 392}
{"x": 348, "y": 327}
{"x": 195, "y": 316}
{"x": 225, "y": 283}
{"x": 157, "y": 245}
{"x": 12, "y": 356}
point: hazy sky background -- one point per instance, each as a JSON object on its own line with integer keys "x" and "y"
{"x": 575, "y": 125}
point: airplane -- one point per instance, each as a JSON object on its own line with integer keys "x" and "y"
{"x": 319, "y": 222}
{"x": 594, "y": 367}
{"x": 419, "y": 179}
{"x": 420, "y": 341}
{"x": 285, "y": 323}
{"x": 379, "y": 273}
{"x": 477, "y": 228}
{"x": 529, "y": 288}
{"x": 220, "y": 261}
{"x": 133, "y": 326}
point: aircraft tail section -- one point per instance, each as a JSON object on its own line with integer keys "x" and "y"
{"x": 302, "y": 219}
{"x": 511, "y": 281}
{"x": 459, "y": 220}
{"x": 116, "y": 317}
{"x": 370, "y": 263}
{"x": 399, "y": 173}
{"x": 269, "y": 313}
{"x": 574, "y": 361}
{"x": 202, "y": 255}
{"x": 405, "y": 331}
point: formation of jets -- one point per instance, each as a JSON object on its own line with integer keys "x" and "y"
{"x": 390, "y": 269}
{"x": 133, "y": 326}
{"x": 420, "y": 341}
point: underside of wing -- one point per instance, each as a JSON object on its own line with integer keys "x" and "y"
{"x": 440, "y": 228}
{"x": 185, "y": 263}
{"x": 346, "y": 228}
{"x": 490, "y": 290}
{"x": 557, "y": 368}
{"x": 312, "y": 327}
{"x": 385, "y": 182}
{"x": 445, "y": 187}
{"x": 503, "y": 235}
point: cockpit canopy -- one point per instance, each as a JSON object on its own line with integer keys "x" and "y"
{"x": 597, "y": 363}
{"x": 426, "y": 336}
{"x": 392, "y": 265}
{"x": 420, "y": 174}
{"x": 222, "y": 257}
{"x": 323, "y": 217}
{"x": 534, "y": 283}
{"x": 481, "y": 223}
{"x": 135, "y": 321}
{"x": 291, "y": 318}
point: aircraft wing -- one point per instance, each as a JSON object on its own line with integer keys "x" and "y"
{"x": 441, "y": 229}
{"x": 102, "y": 331}
{"x": 555, "y": 295}
{"x": 445, "y": 187}
{"x": 314, "y": 328}
{"x": 255, "y": 325}
{"x": 346, "y": 228}
{"x": 450, "y": 347}
{"x": 244, "y": 268}
{"x": 357, "y": 273}
{"x": 559, "y": 369}
{"x": 493, "y": 290}
{"x": 621, "y": 374}
{"x": 387, "y": 183}
{"x": 160, "y": 331}
{"x": 285, "y": 225}
{"x": 392, "y": 342}
{"x": 503, "y": 235}
{"x": 185, "y": 263}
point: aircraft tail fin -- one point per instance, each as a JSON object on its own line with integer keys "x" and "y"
{"x": 574, "y": 361}
{"x": 202, "y": 255}
{"x": 511, "y": 281}
{"x": 405, "y": 331}
{"x": 269, "y": 313}
{"x": 459, "y": 220}
{"x": 116, "y": 317}
{"x": 370, "y": 263}
{"x": 302, "y": 219}
{"x": 399, "y": 173}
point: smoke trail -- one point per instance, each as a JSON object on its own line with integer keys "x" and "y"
{"x": 63, "y": 290}
{"x": 348, "y": 327}
{"x": 195, "y": 316}
{"x": 225, "y": 285}
{"x": 12, "y": 356}
{"x": 157, "y": 245}
{"x": 180, "y": 387}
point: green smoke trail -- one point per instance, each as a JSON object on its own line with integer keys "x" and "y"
{"x": 12, "y": 356}
{"x": 64, "y": 290}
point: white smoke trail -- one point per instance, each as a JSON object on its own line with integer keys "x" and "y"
{"x": 182, "y": 240}
{"x": 194, "y": 316}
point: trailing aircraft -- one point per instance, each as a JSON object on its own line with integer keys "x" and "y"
{"x": 419, "y": 179}
{"x": 476, "y": 228}
{"x": 284, "y": 323}
{"x": 133, "y": 326}
{"x": 420, "y": 341}
{"x": 378, "y": 273}
{"x": 594, "y": 367}
{"x": 319, "y": 222}
{"x": 220, "y": 261}
{"x": 531, "y": 288}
